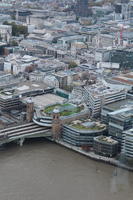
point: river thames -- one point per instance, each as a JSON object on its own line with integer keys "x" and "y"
{"x": 42, "y": 170}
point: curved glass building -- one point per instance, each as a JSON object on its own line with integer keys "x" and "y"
{"x": 82, "y": 134}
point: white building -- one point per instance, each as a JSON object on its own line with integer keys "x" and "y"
{"x": 37, "y": 76}
{"x": 104, "y": 40}
{"x": 99, "y": 95}
{"x": 67, "y": 41}
{"x": 101, "y": 55}
{"x": 5, "y": 32}
{"x": 108, "y": 65}
{"x": 14, "y": 63}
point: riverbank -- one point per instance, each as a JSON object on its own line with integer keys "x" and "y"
{"x": 93, "y": 156}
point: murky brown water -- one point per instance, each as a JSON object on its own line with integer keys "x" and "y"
{"x": 45, "y": 171}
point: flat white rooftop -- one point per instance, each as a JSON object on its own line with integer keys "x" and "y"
{"x": 44, "y": 100}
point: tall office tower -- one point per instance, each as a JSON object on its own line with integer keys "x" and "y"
{"x": 81, "y": 8}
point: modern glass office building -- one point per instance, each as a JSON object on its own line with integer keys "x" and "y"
{"x": 120, "y": 121}
{"x": 127, "y": 143}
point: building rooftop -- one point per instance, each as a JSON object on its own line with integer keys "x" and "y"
{"x": 99, "y": 89}
{"x": 125, "y": 79}
{"x": 105, "y": 139}
{"x": 21, "y": 88}
{"x": 46, "y": 99}
{"x": 119, "y": 104}
{"x": 87, "y": 125}
{"x": 65, "y": 73}
{"x": 73, "y": 37}
{"x": 124, "y": 113}
{"x": 65, "y": 109}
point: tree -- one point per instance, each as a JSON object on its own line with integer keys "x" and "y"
{"x": 13, "y": 43}
{"x": 85, "y": 76}
{"x": 30, "y": 68}
{"x": 72, "y": 64}
{"x": 17, "y": 29}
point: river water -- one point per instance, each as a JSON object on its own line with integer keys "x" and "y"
{"x": 42, "y": 170}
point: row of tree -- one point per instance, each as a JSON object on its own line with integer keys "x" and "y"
{"x": 17, "y": 29}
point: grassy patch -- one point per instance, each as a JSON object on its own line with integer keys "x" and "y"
{"x": 50, "y": 108}
{"x": 82, "y": 127}
{"x": 65, "y": 110}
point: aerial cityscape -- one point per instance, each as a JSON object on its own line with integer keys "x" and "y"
{"x": 66, "y": 81}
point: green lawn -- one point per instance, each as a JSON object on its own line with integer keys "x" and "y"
{"x": 66, "y": 111}
{"x": 81, "y": 127}
{"x": 50, "y": 108}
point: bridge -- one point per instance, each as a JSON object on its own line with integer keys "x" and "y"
{"x": 43, "y": 121}
{"x": 21, "y": 132}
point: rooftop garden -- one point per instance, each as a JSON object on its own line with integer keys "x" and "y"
{"x": 87, "y": 125}
{"x": 49, "y": 109}
{"x": 108, "y": 140}
{"x": 72, "y": 65}
{"x": 65, "y": 109}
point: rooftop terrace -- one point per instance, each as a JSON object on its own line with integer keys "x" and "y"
{"x": 21, "y": 88}
{"x": 105, "y": 139}
{"x": 87, "y": 125}
{"x": 65, "y": 109}
{"x": 101, "y": 89}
